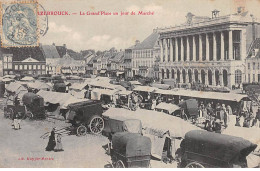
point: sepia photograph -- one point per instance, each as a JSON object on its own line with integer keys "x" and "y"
{"x": 129, "y": 84}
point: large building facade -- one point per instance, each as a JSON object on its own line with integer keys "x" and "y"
{"x": 253, "y": 62}
{"x": 211, "y": 51}
{"x": 23, "y": 61}
{"x": 144, "y": 55}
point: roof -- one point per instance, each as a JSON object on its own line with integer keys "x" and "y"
{"x": 61, "y": 50}
{"x": 105, "y": 91}
{"x": 254, "y": 45}
{"x": 203, "y": 94}
{"x": 50, "y": 51}
{"x": 67, "y": 61}
{"x": 167, "y": 106}
{"x": 27, "y": 78}
{"x": 131, "y": 144}
{"x": 64, "y": 99}
{"x": 29, "y": 97}
{"x": 15, "y": 87}
{"x": 135, "y": 83}
{"x": 118, "y": 57}
{"x": 161, "y": 86}
{"x": 78, "y": 86}
{"x": 125, "y": 92}
{"x": 145, "y": 89}
{"x": 175, "y": 125}
{"x": 201, "y": 21}
{"x": 149, "y": 43}
{"x": 22, "y": 53}
{"x": 30, "y": 60}
{"x": 219, "y": 146}
{"x": 39, "y": 85}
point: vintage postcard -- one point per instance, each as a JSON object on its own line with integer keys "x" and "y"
{"x": 129, "y": 84}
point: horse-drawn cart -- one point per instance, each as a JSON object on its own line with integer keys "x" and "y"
{"x": 130, "y": 150}
{"x": 206, "y": 149}
{"x": 34, "y": 106}
{"x": 86, "y": 116}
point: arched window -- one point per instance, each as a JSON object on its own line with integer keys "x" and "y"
{"x": 238, "y": 76}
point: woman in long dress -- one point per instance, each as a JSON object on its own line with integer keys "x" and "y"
{"x": 58, "y": 146}
{"x": 52, "y": 142}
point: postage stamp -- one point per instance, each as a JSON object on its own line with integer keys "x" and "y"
{"x": 19, "y": 24}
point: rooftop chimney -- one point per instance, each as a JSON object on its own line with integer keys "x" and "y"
{"x": 53, "y": 44}
{"x": 253, "y": 27}
{"x": 215, "y": 13}
{"x": 64, "y": 45}
{"x": 137, "y": 42}
{"x": 155, "y": 30}
{"x": 240, "y": 10}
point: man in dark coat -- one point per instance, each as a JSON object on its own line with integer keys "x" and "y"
{"x": 52, "y": 142}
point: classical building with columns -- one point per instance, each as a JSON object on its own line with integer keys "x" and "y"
{"x": 209, "y": 50}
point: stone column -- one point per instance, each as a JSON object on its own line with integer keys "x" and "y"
{"x": 171, "y": 50}
{"x": 214, "y": 46}
{"x": 166, "y": 50}
{"x": 199, "y": 76}
{"x": 230, "y": 45}
{"x": 193, "y": 48}
{"x": 243, "y": 45}
{"x": 200, "y": 47}
{"x": 192, "y": 77}
{"x": 161, "y": 48}
{"x": 188, "y": 49}
{"x": 175, "y": 75}
{"x": 170, "y": 74}
{"x": 207, "y": 47}
{"x": 222, "y": 51}
{"x": 187, "y": 77}
{"x": 206, "y": 77}
{"x": 160, "y": 73}
{"x": 213, "y": 78}
{"x": 182, "y": 50}
{"x": 181, "y": 78}
{"x": 176, "y": 49}
{"x": 231, "y": 80}
{"x": 221, "y": 78}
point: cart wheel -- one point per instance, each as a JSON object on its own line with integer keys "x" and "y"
{"x": 120, "y": 164}
{"x": 96, "y": 125}
{"x": 194, "y": 165}
{"x": 81, "y": 130}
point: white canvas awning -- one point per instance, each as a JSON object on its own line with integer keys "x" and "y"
{"x": 119, "y": 73}
{"x": 154, "y": 120}
{"x": 39, "y": 85}
{"x": 167, "y": 106}
{"x": 103, "y": 71}
{"x": 64, "y": 99}
{"x": 145, "y": 89}
{"x": 26, "y": 78}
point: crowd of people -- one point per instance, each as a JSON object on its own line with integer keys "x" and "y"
{"x": 215, "y": 115}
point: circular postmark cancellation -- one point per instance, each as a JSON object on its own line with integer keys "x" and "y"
{"x": 19, "y": 24}
{"x": 42, "y": 21}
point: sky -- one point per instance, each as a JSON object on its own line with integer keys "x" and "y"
{"x": 82, "y": 32}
